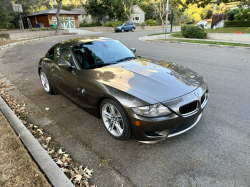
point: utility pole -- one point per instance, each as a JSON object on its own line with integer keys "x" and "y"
{"x": 172, "y": 19}
{"x": 166, "y": 19}
{"x": 214, "y": 6}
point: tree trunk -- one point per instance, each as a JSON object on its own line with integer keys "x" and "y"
{"x": 59, "y": 3}
{"x": 103, "y": 21}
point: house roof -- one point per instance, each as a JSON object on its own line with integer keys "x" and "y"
{"x": 80, "y": 10}
{"x": 139, "y": 8}
{"x": 52, "y": 11}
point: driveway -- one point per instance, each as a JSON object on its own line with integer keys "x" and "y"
{"x": 214, "y": 153}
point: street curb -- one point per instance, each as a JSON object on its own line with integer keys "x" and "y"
{"x": 196, "y": 44}
{"x": 55, "y": 175}
{"x": 26, "y": 41}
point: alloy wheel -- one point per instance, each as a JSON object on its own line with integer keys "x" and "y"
{"x": 112, "y": 119}
{"x": 45, "y": 81}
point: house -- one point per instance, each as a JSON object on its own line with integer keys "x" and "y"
{"x": 47, "y": 17}
{"x": 138, "y": 16}
{"x": 244, "y": 6}
{"x": 83, "y": 16}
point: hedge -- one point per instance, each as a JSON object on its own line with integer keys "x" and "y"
{"x": 113, "y": 24}
{"x": 93, "y": 24}
{"x": 236, "y": 23}
{"x": 193, "y": 32}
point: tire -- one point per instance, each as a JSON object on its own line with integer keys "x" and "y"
{"x": 122, "y": 30}
{"x": 116, "y": 122}
{"x": 133, "y": 29}
{"x": 45, "y": 83}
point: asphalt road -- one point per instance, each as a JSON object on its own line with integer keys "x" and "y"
{"x": 214, "y": 153}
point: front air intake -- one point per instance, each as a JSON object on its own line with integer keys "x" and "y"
{"x": 188, "y": 108}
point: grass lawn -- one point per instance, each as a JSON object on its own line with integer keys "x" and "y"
{"x": 206, "y": 42}
{"x": 159, "y": 33}
{"x": 175, "y": 34}
{"x": 16, "y": 166}
{"x": 229, "y": 30}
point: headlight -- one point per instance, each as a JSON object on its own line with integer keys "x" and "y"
{"x": 119, "y": 27}
{"x": 155, "y": 110}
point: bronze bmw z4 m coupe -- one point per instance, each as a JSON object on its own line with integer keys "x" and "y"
{"x": 151, "y": 99}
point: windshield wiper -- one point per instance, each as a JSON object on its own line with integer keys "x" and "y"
{"x": 127, "y": 58}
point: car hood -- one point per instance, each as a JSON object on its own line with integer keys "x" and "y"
{"x": 159, "y": 80}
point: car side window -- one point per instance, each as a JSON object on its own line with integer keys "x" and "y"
{"x": 51, "y": 54}
{"x": 63, "y": 54}
{"x": 126, "y": 24}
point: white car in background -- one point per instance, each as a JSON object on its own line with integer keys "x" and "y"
{"x": 204, "y": 23}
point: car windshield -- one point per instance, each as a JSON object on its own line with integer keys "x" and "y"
{"x": 121, "y": 25}
{"x": 100, "y": 53}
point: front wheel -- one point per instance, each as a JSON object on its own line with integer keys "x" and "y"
{"x": 115, "y": 120}
{"x": 133, "y": 29}
{"x": 45, "y": 83}
{"x": 122, "y": 30}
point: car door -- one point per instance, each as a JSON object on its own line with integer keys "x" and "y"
{"x": 126, "y": 26}
{"x": 64, "y": 78}
{"x": 130, "y": 25}
{"x": 49, "y": 61}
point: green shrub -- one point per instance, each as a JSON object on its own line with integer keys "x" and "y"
{"x": 232, "y": 13}
{"x": 243, "y": 15}
{"x": 183, "y": 29}
{"x": 193, "y": 32}
{"x": 93, "y": 24}
{"x": 236, "y": 23}
{"x": 113, "y": 24}
{"x": 151, "y": 22}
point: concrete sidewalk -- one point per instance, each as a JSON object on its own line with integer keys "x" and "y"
{"x": 168, "y": 36}
{"x": 83, "y": 32}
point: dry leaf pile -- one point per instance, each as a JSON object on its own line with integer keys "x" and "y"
{"x": 75, "y": 172}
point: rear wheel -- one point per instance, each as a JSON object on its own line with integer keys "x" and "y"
{"x": 133, "y": 29}
{"x": 115, "y": 120}
{"x": 45, "y": 83}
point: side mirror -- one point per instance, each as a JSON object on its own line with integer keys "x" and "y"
{"x": 133, "y": 49}
{"x": 64, "y": 64}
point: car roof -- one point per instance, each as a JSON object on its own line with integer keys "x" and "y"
{"x": 76, "y": 41}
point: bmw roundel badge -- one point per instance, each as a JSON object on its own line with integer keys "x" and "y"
{"x": 196, "y": 94}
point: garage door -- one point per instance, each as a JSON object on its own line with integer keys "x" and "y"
{"x": 66, "y": 22}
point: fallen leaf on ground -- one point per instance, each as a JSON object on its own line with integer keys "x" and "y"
{"x": 78, "y": 178}
{"x": 60, "y": 151}
{"x": 47, "y": 140}
{"x": 88, "y": 171}
{"x": 51, "y": 151}
{"x": 64, "y": 170}
{"x": 59, "y": 162}
{"x": 46, "y": 109}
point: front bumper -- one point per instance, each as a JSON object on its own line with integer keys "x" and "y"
{"x": 117, "y": 29}
{"x": 152, "y": 130}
